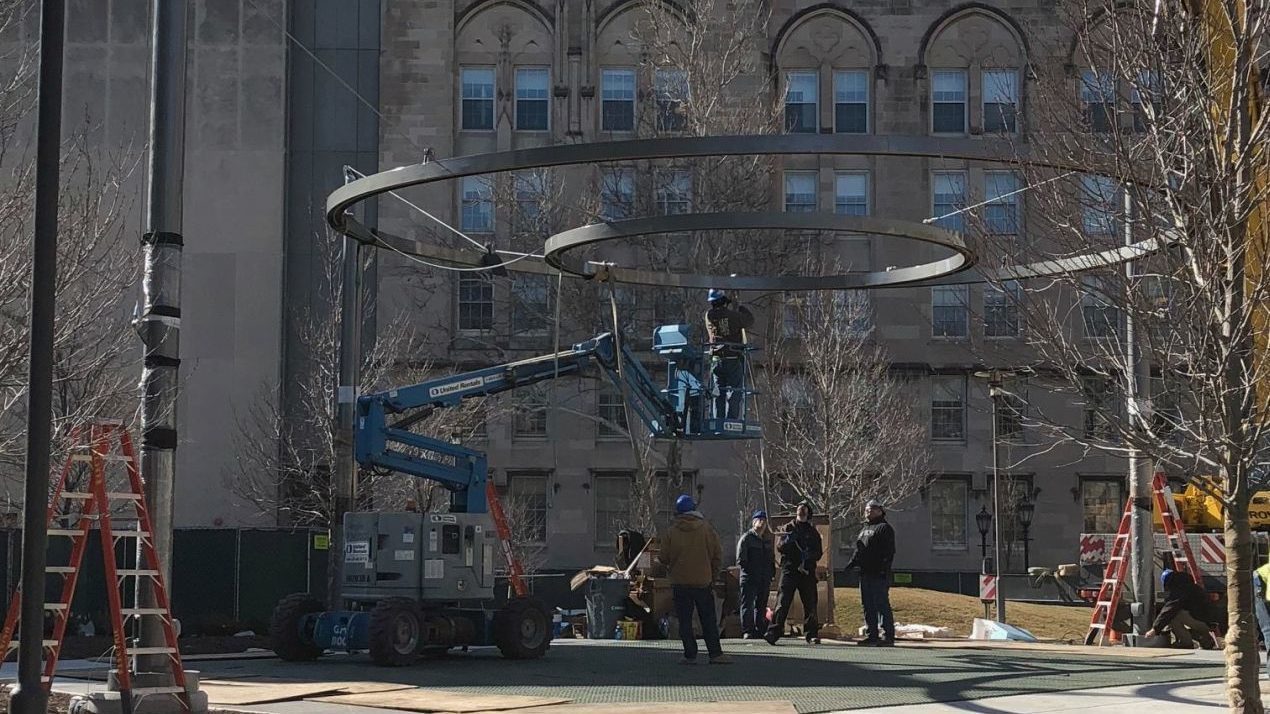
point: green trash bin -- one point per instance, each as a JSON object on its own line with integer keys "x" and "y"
{"x": 605, "y": 605}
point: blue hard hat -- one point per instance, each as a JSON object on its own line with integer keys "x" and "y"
{"x": 684, "y": 503}
{"x": 716, "y": 295}
{"x": 1164, "y": 577}
{"x": 760, "y": 513}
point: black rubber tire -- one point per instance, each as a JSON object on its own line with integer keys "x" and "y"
{"x": 285, "y": 637}
{"x": 522, "y": 629}
{"x": 396, "y": 632}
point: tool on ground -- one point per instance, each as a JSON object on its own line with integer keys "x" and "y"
{"x": 113, "y": 504}
{"x": 1109, "y": 593}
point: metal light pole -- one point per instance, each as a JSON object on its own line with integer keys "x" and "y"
{"x": 1026, "y": 511}
{"x": 30, "y": 698}
{"x": 995, "y": 379}
{"x": 350, "y": 357}
{"x": 159, "y": 324}
{"x": 1142, "y": 538}
{"x": 983, "y": 520}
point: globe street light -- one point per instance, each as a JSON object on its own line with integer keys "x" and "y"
{"x": 983, "y": 519}
{"x": 1025, "y": 511}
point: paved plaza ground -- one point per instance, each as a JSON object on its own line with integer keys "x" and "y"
{"x": 831, "y": 677}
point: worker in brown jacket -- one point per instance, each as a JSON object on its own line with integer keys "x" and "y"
{"x": 725, "y": 337}
{"x": 690, "y": 551}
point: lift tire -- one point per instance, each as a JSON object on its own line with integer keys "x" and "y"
{"x": 522, "y": 629}
{"x": 285, "y": 637}
{"x": 396, "y": 632}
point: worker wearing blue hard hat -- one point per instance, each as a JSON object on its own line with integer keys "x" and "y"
{"x": 690, "y": 550}
{"x": 725, "y": 341}
{"x": 1184, "y": 612}
{"x": 756, "y": 557}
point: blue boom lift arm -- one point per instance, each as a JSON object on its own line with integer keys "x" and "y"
{"x": 673, "y": 412}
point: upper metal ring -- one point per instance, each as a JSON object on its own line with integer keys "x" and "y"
{"x": 343, "y": 198}
{"x": 561, "y": 243}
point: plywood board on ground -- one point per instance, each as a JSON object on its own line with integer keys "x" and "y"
{"x": 263, "y": 690}
{"x": 761, "y": 707}
{"x": 1076, "y": 650}
{"x": 433, "y": 700}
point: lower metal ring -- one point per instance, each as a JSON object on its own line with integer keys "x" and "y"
{"x": 559, "y": 245}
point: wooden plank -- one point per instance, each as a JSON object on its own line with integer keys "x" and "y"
{"x": 433, "y": 700}
{"x": 758, "y": 707}
{"x": 255, "y": 692}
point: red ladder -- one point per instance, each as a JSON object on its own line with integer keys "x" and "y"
{"x": 98, "y": 504}
{"x": 1109, "y": 593}
{"x": 515, "y": 573}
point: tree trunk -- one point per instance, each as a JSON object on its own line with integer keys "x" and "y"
{"x": 1243, "y": 663}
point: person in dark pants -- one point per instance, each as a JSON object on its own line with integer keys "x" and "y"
{"x": 874, "y": 551}
{"x": 690, "y": 551}
{"x": 1184, "y": 612}
{"x": 1260, "y": 593}
{"x": 800, "y": 548}
{"x": 757, "y": 559}
{"x": 724, "y": 326}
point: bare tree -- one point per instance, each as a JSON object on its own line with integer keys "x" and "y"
{"x": 1155, "y": 131}
{"x": 839, "y": 426}
{"x": 95, "y": 351}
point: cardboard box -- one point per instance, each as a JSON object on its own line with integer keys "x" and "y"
{"x": 824, "y": 606}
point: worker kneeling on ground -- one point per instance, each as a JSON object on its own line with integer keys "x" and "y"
{"x": 1184, "y": 612}
{"x": 800, "y": 548}
{"x": 690, "y": 551}
{"x": 724, "y": 326}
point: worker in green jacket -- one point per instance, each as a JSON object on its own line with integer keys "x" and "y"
{"x": 1260, "y": 579}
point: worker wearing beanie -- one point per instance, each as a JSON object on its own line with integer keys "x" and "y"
{"x": 874, "y": 551}
{"x": 756, "y": 556}
{"x": 800, "y": 548}
{"x": 690, "y": 550}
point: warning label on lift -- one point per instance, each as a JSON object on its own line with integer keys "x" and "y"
{"x": 357, "y": 551}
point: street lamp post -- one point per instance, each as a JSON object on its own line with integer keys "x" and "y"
{"x": 996, "y": 378}
{"x": 1025, "y": 511}
{"x": 983, "y": 519}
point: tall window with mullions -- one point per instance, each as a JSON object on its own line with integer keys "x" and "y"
{"x": 801, "y": 107}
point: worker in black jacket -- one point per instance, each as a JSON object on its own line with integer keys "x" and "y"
{"x": 725, "y": 338}
{"x": 1184, "y": 611}
{"x": 800, "y": 548}
{"x": 874, "y": 551}
{"x": 756, "y": 557}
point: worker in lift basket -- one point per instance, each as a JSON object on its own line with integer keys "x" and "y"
{"x": 726, "y": 343}
{"x": 690, "y": 551}
{"x": 1184, "y": 612}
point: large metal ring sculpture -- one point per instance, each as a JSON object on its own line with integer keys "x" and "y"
{"x": 342, "y": 199}
{"x": 560, "y": 244}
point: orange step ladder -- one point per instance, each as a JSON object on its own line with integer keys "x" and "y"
{"x": 1112, "y": 588}
{"x": 109, "y": 506}
{"x": 515, "y": 572}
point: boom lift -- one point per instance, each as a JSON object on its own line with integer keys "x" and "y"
{"x": 421, "y": 583}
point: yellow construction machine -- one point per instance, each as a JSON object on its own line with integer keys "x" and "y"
{"x": 1202, "y": 513}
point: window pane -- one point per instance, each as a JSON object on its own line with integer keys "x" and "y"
{"x": 612, "y": 505}
{"x": 949, "y": 190}
{"x": 1100, "y": 405}
{"x": 948, "y": 408}
{"x": 948, "y": 101}
{"x": 800, "y": 192}
{"x": 1100, "y": 315}
{"x": 477, "y": 205}
{"x": 476, "y": 303}
{"x": 1000, "y": 99}
{"x": 948, "y": 514}
{"x": 674, "y": 191}
{"x": 477, "y": 93}
{"x": 617, "y": 96}
{"x": 949, "y": 311}
{"x": 1001, "y": 310}
{"x": 801, "y": 106}
{"x": 851, "y": 102}
{"x": 532, "y": 98}
{"x": 1001, "y": 212}
{"x": 851, "y": 194}
{"x": 1098, "y": 99}
{"x": 530, "y": 304}
{"x": 611, "y": 410}
{"x": 527, "y": 503}
{"x": 1099, "y": 196}
{"x": 1102, "y": 502}
{"x": 671, "y": 89}
{"x": 529, "y": 420}
{"x": 531, "y": 190}
{"x": 617, "y": 194}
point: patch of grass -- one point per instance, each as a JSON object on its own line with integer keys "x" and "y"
{"x": 915, "y": 606}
